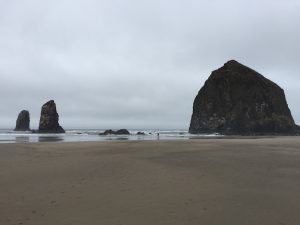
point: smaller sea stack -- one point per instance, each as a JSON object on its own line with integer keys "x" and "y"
{"x": 23, "y": 121}
{"x": 49, "y": 119}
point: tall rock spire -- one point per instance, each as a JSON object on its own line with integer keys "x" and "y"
{"x": 49, "y": 119}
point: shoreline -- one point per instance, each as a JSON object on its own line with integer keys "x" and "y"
{"x": 23, "y": 139}
{"x": 93, "y": 135}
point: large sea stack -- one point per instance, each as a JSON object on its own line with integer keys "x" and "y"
{"x": 237, "y": 100}
{"x": 23, "y": 121}
{"x": 49, "y": 119}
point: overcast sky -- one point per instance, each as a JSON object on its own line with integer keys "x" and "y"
{"x": 134, "y": 63}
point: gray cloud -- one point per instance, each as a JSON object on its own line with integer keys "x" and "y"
{"x": 137, "y": 64}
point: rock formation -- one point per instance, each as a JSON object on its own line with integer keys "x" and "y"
{"x": 237, "y": 100}
{"x": 297, "y": 129}
{"x": 49, "y": 119}
{"x": 118, "y": 132}
{"x": 122, "y": 132}
{"x": 23, "y": 121}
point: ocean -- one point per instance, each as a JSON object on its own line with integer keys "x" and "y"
{"x": 77, "y": 135}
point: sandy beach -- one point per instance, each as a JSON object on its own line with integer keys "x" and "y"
{"x": 187, "y": 182}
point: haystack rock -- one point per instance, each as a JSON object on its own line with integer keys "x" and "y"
{"x": 49, "y": 119}
{"x": 23, "y": 121}
{"x": 237, "y": 100}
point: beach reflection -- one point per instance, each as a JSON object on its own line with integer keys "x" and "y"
{"x": 50, "y": 138}
{"x": 22, "y": 139}
{"x": 117, "y": 138}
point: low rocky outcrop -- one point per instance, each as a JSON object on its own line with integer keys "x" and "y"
{"x": 49, "y": 119}
{"x": 118, "y": 132}
{"x": 237, "y": 100}
{"x": 23, "y": 121}
{"x": 140, "y": 133}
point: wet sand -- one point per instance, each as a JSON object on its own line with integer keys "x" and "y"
{"x": 206, "y": 181}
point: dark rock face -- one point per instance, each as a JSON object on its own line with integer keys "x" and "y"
{"x": 140, "y": 133}
{"x": 122, "y": 132}
{"x": 298, "y": 130}
{"x": 49, "y": 119}
{"x": 118, "y": 132}
{"x": 107, "y": 132}
{"x": 23, "y": 121}
{"x": 237, "y": 100}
